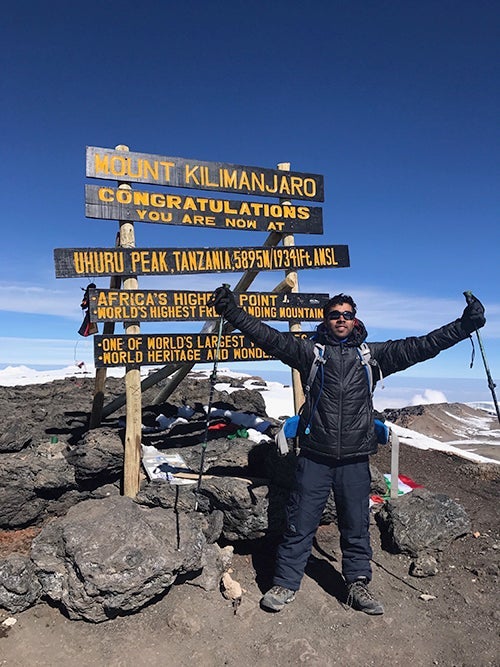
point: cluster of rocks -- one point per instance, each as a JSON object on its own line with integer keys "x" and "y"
{"x": 99, "y": 554}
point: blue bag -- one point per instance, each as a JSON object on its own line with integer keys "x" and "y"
{"x": 382, "y": 432}
{"x": 291, "y": 426}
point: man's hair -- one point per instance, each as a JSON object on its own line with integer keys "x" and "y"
{"x": 336, "y": 301}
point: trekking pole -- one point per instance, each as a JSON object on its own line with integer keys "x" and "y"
{"x": 469, "y": 297}
{"x": 213, "y": 378}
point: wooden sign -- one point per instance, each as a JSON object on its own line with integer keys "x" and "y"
{"x": 74, "y": 262}
{"x": 108, "y": 305}
{"x": 160, "y": 349}
{"x": 172, "y": 209}
{"x": 110, "y": 164}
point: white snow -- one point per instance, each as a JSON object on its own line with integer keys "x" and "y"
{"x": 278, "y": 399}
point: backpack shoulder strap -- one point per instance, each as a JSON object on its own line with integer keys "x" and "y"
{"x": 319, "y": 359}
{"x": 365, "y": 356}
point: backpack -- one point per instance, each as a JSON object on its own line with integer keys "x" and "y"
{"x": 290, "y": 426}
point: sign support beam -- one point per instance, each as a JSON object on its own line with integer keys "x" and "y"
{"x": 294, "y": 326}
{"x": 101, "y": 373}
{"x": 132, "y": 459}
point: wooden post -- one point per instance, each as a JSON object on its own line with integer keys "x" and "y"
{"x": 132, "y": 463}
{"x": 289, "y": 240}
{"x": 101, "y": 373}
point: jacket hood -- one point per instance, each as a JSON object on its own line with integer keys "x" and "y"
{"x": 356, "y": 337}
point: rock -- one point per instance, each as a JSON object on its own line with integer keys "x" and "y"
{"x": 16, "y": 434}
{"x": 424, "y": 566}
{"x": 98, "y": 458}
{"x": 426, "y": 597}
{"x": 231, "y": 589}
{"x": 215, "y": 562}
{"x": 135, "y": 556}
{"x": 169, "y": 496}
{"x": 245, "y": 400}
{"x": 54, "y": 477}
{"x": 19, "y": 504}
{"x": 244, "y": 506}
{"x": 421, "y": 521}
{"x": 19, "y": 586}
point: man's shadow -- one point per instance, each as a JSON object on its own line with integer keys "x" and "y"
{"x": 325, "y": 573}
{"x": 321, "y": 568}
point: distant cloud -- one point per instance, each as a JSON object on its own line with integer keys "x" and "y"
{"x": 429, "y": 396}
{"x": 40, "y": 300}
{"x": 380, "y": 309}
{"x": 49, "y": 351}
{"x": 384, "y": 309}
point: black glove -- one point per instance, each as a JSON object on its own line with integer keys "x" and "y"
{"x": 473, "y": 316}
{"x": 222, "y": 299}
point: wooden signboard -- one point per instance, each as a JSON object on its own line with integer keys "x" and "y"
{"x": 160, "y": 349}
{"x": 108, "y": 305}
{"x": 114, "y": 165}
{"x": 75, "y": 262}
{"x": 111, "y": 203}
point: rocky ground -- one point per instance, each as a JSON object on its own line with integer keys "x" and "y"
{"x": 451, "y": 618}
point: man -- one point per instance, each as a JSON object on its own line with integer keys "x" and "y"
{"x": 336, "y": 433}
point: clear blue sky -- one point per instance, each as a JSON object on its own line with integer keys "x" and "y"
{"x": 395, "y": 103}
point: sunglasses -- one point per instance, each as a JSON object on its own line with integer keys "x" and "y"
{"x": 336, "y": 314}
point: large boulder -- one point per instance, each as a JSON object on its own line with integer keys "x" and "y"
{"x": 112, "y": 556}
{"x": 421, "y": 521}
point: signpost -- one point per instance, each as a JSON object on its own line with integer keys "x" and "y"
{"x": 157, "y": 349}
{"x": 172, "y": 209}
{"x": 75, "y": 262}
{"x": 178, "y": 352}
{"x": 181, "y": 172}
{"x": 108, "y": 305}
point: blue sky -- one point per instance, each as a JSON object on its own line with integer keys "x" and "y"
{"x": 394, "y": 103}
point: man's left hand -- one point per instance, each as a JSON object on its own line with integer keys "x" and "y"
{"x": 473, "y": 316}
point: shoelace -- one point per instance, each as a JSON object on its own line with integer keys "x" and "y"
{"x": 360, "y": 589}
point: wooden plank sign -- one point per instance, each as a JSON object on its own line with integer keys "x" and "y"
{"x": 111, "y": 203}
{"x": 169, "y": 305}
{"x": 159, "y": 349}
{"x": 75, "y": 262}
{"x": 114, "y": 165}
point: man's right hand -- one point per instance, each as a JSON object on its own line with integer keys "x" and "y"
{"x": 222, "y": 299}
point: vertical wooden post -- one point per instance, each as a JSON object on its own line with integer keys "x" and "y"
{"x": 289, "y": 240}
{"x": 132, "y": 462}
{"x": 101, "y": 373}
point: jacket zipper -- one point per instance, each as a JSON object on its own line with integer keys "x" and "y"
{"x": 341, "y": 399}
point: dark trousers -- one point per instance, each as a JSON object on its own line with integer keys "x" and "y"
{"x": 350, "y": 481}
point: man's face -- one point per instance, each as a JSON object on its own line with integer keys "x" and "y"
{"x": 336, "y": 321}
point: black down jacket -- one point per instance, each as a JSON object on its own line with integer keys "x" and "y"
{"x": 339, "y": 408}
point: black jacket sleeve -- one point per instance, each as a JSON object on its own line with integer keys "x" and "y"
{"x": 290, "y": 349}
{"x": 396, "y": 355}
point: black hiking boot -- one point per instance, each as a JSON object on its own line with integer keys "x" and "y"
{"x": 276, "y": 598}
{"x": 360, "y": 598}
